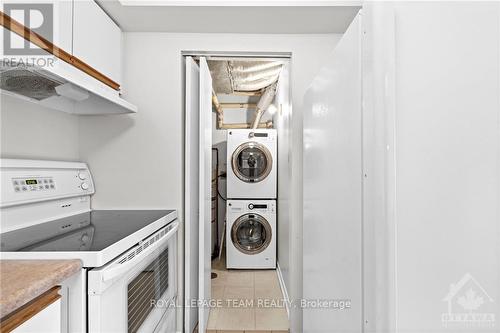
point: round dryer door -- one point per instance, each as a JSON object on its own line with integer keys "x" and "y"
{"x": 252, "y": 162}
{"x": 251, "y": 234}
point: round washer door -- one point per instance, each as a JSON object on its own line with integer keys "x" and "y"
{"x": 251, "y": 234}
{"x": 252, "y": 162}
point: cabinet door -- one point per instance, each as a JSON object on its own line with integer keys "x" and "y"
{"x": 332, "y": 232}
{"x": 47, "y": 320}
{"x": 63, "y": 25}
{"x": 97, "y": 40}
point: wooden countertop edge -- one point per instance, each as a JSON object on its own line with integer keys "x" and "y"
{"x": 22, "y": 296}
{"x": 28, "y": 310}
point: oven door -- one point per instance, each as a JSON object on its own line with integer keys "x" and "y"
{"x": 136, "y": 292}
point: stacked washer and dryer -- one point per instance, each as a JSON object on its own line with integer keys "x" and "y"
{"x": 251, "y": 205}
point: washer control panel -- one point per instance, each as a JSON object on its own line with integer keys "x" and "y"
{"x": 33, "y": 184}
{"x": 257, "y": 206}
{"x": 253, "y": 206}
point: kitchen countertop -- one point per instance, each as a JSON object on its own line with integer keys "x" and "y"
{"x": 23, "y": 280}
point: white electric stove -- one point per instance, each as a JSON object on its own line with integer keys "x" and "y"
{"x": 129, "y": 256}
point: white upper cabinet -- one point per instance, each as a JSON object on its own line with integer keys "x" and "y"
{"x": 91, "y": 61}
{"x": 97, "y": 40}
{"x": 63, "y": 27}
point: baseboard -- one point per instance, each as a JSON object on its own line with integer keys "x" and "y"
{"x": 283, "y": 290}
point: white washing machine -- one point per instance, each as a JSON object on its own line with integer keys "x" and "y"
{"x": 251, "y": 234}
{"x": 251, "y": 164}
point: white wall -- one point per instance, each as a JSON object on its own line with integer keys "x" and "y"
{"x": 34, "y": 132}
{"x": 447, "y": 150}
{"x": 437, "y": 133}
{"x": 140, "y": 157}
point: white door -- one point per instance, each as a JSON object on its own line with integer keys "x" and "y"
{"x": 198, "y": 192}
{"x": 192, "y": 154}
{"x": 332, "y": 189}
{"x": 205, "y": 187}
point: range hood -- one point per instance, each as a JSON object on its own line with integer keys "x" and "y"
{"x": 62, "y": 87}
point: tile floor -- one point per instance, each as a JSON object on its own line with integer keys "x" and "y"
{"x": 248, "y": 301}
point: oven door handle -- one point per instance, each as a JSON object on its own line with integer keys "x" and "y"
{"x": 109, "y": 274}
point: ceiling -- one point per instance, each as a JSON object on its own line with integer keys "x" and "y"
{"x": 260, "y": 18}
{"x": 243, "y": 75}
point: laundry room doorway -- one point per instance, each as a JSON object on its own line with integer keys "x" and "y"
{"x": 237, "y": 190}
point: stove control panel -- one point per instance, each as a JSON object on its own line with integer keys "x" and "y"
{"x": 36, "y": 181}
{"x": 33, "y": 184}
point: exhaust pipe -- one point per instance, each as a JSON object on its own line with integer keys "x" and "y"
{"x": 264, "y": 102}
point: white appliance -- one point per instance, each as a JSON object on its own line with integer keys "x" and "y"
{"x": 251, "y": 164}
{"x": 137, "y": 287}
{"x": 251, "y": 234}
{"x": 46, "y": 214}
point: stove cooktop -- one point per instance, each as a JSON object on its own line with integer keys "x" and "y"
{"x": 92, "y": 231}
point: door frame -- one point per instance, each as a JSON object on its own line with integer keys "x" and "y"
{"x": 209, "y": 55}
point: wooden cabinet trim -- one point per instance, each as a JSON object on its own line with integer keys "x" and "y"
{"x": 23, "y": 31}
{"x": 29, "y": 310}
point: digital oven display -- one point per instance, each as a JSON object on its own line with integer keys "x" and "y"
{"x": 31, "y": 182}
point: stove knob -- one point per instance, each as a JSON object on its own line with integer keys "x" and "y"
{"x": 85, "y": 238}
{"x": 82, "y": 175}
{"x": 84, "y": 186}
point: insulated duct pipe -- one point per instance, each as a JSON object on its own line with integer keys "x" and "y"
{"x": 268, "y": 124}
{"x": 218, "y": 109}
{"x": 264, "y": 102}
